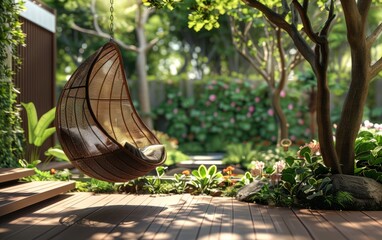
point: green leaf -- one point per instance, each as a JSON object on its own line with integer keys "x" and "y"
{"x": 288, "y": 177}
{"x": 377, "y": 151}
{"x": 195, "y": 173}
{"x": 376, "y": 161}
{"x": 44, "y": 122}
{"x": 160, "y": 171}
{"x": 317, "y": 194}
{"x": 39, "y": 140}
{"x": 32, "y": 120}
{"x": 372, "y": 174}
{"x": 307, "y": 157}
{"x": 212, "y": 170}
{"x": 305, "y": 150}
{"x": 58, "y": 153}
{"x": 289, "y": 160}
{"x": 202, "y": 171}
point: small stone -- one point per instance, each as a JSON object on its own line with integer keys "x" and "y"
{"x": 248, "y": 190}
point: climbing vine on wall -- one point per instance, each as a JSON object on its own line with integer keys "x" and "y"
{"x": 11, "y": 36}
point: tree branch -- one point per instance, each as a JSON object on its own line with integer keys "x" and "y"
{"x": 306, "y": 23}
{"x": 374, "y": 36}
{"x": 279, "y": 21}
{"x": 324, "y": 31}
{"x": 104, "y": 35}
{"x": 376, "y": 68}
{"x": 363, "y": 8}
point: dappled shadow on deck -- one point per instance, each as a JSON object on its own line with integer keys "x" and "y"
{"x": 88, "y": 216}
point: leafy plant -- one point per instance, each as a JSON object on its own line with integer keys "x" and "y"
{"x": 368, "y": 150}
{"x": 180, "y": 182}
{"x": 154, "y": 183}
{"x": 206, "y": 180}
{"x": 305, "y": 181}
{"x": 52, "y": 175}
{"x": 39, "y": 131}
{"x": 95, "y": 185}
{"x": 241, "y": 154}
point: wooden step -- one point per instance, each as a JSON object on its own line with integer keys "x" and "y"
{"x": 10, "y": 174}
{"x": 23, "y": 195}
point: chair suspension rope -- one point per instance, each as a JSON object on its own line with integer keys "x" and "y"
{"x": 111, "y": 19}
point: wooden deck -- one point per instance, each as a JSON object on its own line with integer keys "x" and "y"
{"x": 118, "y": 216}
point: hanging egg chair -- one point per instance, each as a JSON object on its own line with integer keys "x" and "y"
{"x": 97, "y": 125}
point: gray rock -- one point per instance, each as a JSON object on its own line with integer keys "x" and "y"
{"x": 248, "y": 190}
{"x": 366, "y": 192}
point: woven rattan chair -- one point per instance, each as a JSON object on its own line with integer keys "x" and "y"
{"x": 98, "y": 126}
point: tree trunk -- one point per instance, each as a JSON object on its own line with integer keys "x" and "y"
{"x": 144, "y": 96}
{"x": 352, "y": 112}
{"x": 280, "y": 117}
{"x": 324, "y": 124}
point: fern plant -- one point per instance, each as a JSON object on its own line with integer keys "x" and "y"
{"x": 241, "y": 154}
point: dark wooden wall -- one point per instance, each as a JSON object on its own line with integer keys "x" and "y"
{"x": 36, "y": 77}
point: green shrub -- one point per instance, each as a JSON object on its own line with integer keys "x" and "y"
{"x": 226, "y": 111}
{"x": 368, "y": 151}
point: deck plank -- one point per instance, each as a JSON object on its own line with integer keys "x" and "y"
{"x": 317, "y": 226}
{"x": 196, "y": 215}
{"x": 288, "y": 223}
{"x": 73, "y": 215}
{"x": 171, "y": 205}
{"x": 210, "y": 218}
{"x": 363, "y": 224}
{"x": 10, "y": 174}
{"x": 98, "y": 223}
{"x": 31, "y": 193}
{"x": 242, "y": 218}
{"x": 22, "y": 227}
{"x": 118, "y": 216}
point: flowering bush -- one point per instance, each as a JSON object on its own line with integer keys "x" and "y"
{"x": 224, "y": 112}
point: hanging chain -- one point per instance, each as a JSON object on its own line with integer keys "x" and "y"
{"x": 111, "y": 19}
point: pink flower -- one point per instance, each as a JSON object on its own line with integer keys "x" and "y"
{"x": 175, "y": 111}
{"x": 273, "y": 138}
{"x": 279, "y": 166}
{"x": 270, "y": 112}
{"x": 282, "y": 94}
{"x": 290, "y": 106}
{"x": 169, "y": 101}
{"x": 237, "y": 90}
{"x": 251, "y": 109}
{"x": 233, "y": 104}
{"x": 232, "y": 120}
{"x": 249, "y": 115}
{"x": 314, "y": 148}
{"x": 301, "y": 121}
{"x": 293, "y": 138}
{"x": 257, "y": 99}
{"x": 212, "y": 97}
